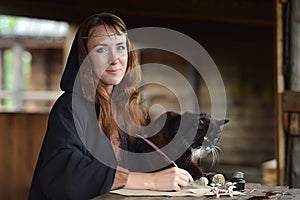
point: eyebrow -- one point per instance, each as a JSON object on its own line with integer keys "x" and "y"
{"x": 109, "y": 34}
{"x": 105, "y": 45}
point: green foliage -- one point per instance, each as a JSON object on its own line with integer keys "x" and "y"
{"x": 7, "y": 69}
{"x": 26, "y": 59}
{"x": 8, "y": 24}
{"x": 8, "y": 73}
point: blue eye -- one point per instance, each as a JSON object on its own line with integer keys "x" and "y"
{"x": 101, "y": 50}
{"x": 121, "y": 48}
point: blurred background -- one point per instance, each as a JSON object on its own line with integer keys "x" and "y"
{"x": 241, "y": 36}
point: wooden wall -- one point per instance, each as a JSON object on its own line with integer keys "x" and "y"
{"x": 244, "y": 56}
{"x": 21, "y": 137}
{"x": 246, "y": 63}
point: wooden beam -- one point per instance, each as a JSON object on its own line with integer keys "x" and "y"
{"x": 294, "y": 124}
{"x": 291, "y": 101}
{"x": 246, "y": 11}
{"x": 28, "y": 43}
{"x": 291, "y": 109}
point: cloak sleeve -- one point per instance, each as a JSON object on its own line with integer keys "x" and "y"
{"x": 66, "y": 169}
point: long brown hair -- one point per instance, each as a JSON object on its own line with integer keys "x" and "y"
{"x": 129, "y": 82}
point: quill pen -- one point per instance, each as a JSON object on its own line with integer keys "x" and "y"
{"x": 158, "y": 150}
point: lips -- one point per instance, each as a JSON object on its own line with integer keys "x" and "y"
{"x": 113, "y": 71}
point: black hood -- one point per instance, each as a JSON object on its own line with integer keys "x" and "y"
{"x": 72, "y": 68}
{"x": 78, "y": 76}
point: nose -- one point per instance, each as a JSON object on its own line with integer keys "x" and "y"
{"x": 207, "y": 148}
{"x": 113, "y": 62}
{"x": 113, "y": 58}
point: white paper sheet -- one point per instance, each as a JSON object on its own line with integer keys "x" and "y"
{"x": 184, "y": 192}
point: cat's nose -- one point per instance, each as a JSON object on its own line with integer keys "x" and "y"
{"x": 207, "y": 148}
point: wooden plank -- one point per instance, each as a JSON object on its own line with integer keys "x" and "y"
{"x": 291, "y": 101}
{"x": 21, "y": 138}
{"x": 291, "y": 107}
{"x": 294, "y": 124}
{"x": 33, "y": 43}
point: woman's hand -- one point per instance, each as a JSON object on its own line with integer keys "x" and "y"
{"x": 170, "y": 179}
{"x": 165, "y": 180}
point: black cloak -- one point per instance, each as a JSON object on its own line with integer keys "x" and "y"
{"x": 66, "y": 168}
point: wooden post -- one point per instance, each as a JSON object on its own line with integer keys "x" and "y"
{"x": 1, "y": 71}
{"x": 18, "y": 82}
{"x": 292, "y": 134}
{"x": 279, "y": 88}
{"x": 295, "y": 50}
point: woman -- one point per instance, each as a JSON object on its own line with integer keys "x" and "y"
{"x": 80, "y": 156}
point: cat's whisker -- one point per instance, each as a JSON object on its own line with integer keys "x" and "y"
{"x": 218, "y": 153}
{"x": 214, "y": 155}
{"x": 219, "y": 149}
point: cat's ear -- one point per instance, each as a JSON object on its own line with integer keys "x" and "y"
{"x": 222, "y": 122}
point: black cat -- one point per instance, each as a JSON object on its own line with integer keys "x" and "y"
{"x": 197, "y": 134}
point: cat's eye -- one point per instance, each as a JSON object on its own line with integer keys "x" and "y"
{"x": 205, "y": 138}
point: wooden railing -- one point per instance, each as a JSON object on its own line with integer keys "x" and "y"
{"x": 291, "y": 111}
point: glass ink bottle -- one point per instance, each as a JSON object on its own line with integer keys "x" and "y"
{"x": 238, "y": 178}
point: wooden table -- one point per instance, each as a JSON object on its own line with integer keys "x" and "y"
{"x": 253, "y": 191}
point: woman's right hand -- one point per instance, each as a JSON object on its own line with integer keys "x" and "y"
{"x": 169, "y": 179}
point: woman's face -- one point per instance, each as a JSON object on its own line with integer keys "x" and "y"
{"x": 108, "y": 51}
